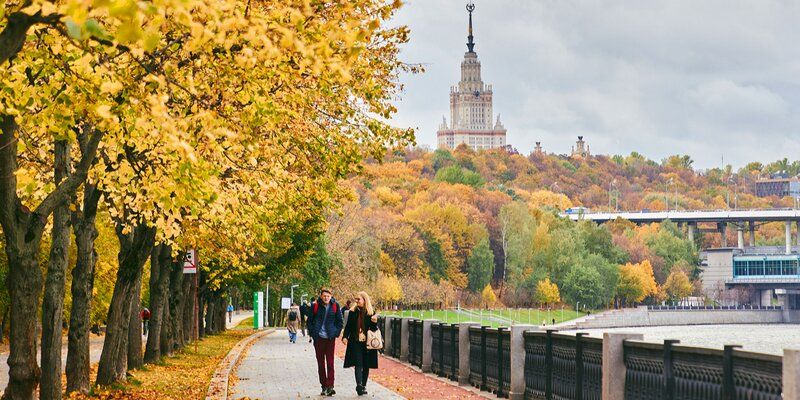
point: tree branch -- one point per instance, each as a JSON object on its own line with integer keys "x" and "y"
{"x": 16, "y": 31}
{"x": 68, "y": 187}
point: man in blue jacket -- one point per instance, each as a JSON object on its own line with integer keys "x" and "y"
{"x": 324, "y": 325}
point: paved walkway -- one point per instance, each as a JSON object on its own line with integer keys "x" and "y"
{"x": 277, "y": 369}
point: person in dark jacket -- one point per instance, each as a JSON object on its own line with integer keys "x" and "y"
{"x": 303, "y": 316}
{"x": 361, "y": 319}
{"x": 324, "y": 326}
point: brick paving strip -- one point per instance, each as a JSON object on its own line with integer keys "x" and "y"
{"x": 409, "y": 382}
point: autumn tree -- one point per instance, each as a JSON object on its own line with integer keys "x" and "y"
{"x": 480, "y": 265}
{"x": 678, "y": 285}
{"x": 488, "y": 297}
{"x": 547, "y": 292}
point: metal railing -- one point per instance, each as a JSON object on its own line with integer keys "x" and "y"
{"x": 570, "y": 367}
{"x": 415, "y": 342}
{"x": 396, "y": 324}
{"x": 382, "y": 322}
{"x": 669, "y": 371}
{"x": 715, "y": 308}
{"x": 562, "y": 366}
{"x": 490, "y": 359}
{"x": 444, "y": 357}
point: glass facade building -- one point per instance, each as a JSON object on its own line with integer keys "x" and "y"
{"x": 767, "y": 266}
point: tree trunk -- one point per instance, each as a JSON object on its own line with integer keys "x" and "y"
{"x": 83, "y": 225}
{"x": 188, "y": 309}
{"x": 3, "y": 325}
{"x": 176, "y": 299}
{"x": 24, "y": 286}
{"x": 53, "y": 304}
{"x": 160, "y": 263}
{"x": 166, "y": 337}
{"x": 209, "y": 312}
{"x": 135, "y": 327}
{"x": 23, "y": 231}
{"x": 135, "y": 248}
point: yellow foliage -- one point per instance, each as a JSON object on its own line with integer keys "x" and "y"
{"x": 488, "y": 297}
{"x": 546, "y": 198}
{"x": 388, "y": 289}
{"x": 636, "y": 281}
{"x": 677, "y": 286}
{"x": 387, "y": 196}
{"x": 547, "y": 292}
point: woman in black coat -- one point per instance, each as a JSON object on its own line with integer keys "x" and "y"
{"x": 360, "y": 319}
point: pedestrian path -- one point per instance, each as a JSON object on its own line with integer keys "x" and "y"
{"x": 277, "y": 369}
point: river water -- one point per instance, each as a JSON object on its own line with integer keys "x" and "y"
{"x": 770, "y": 338}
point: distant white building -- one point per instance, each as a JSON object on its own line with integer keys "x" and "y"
{"x": 471, "y": 119}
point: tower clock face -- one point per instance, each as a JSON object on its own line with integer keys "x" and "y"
{"x": 477, "y": 93}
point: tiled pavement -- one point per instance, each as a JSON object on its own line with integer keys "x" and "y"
{"x": 277, "y": 369}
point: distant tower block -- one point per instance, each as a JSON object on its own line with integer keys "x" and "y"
{"x": 581, "y": 149}
{"x": 538, "y": 149}
{"x": 471, "y": 112}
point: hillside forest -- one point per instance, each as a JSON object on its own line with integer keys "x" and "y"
{"x": 484, "y": 227}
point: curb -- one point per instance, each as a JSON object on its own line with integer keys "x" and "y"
{"x": 218, "y": 387}
{"x": 468, "y": 388}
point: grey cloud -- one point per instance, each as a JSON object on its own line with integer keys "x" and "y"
{"x": 703, "y": 78}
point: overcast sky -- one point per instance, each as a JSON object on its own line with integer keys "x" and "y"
{"x": 711, "y": 79}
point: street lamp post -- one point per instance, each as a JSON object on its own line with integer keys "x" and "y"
{"x": 266, "y": 306}
{"x": 292, "y": 295}
{"x": 577, "y": 307}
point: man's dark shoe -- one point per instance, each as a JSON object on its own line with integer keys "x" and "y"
{"x": 331, "y": 392}
{"x": 360, "y": 390}
{"x": 324, "y": 391}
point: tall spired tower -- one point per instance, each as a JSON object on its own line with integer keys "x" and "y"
{"x": 471, "y": 119}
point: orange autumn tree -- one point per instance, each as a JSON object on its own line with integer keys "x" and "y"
{"x": 636, "y": 282}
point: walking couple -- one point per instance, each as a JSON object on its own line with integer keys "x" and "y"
{"x": 326, "y": 322}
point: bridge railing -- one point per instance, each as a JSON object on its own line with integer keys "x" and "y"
{"x": 715, "y": 308}
{"x": 535, "y": 364}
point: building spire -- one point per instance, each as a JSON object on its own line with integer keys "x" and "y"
{"x": 470, "y": 43}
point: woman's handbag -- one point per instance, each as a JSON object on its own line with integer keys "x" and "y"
{"x": 374, "y": 340}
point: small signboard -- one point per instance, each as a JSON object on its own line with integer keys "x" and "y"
{"x": 190, "y": 262}
{"x": 286, "y": 302}
{"x": 258, "y": 310}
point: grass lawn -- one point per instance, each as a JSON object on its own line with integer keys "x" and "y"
{"x": 183, "y": 376}
{"x": 531, "y": 316}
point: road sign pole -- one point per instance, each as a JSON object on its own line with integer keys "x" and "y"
{"x": 196, "y": 303}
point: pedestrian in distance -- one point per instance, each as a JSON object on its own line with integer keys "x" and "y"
{"x": 345, "y": 312}
{"x": 324, "y": 325}
{"x": 145, "y": 314}
{"x": 293, "y": 322}
{"x": 360, "y": 319}
{"x": 303, "y": 316}
{"x": 230, "y": 313}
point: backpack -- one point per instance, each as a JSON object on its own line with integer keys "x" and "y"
{"x": 292, "y": 316}
{"x": 316, "y": 307}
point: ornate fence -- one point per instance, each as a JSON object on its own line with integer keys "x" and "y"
{"x": 490, "y": 359}
{"x": 570, "y": 367}
{"x": 671, "y": 372}
{"x": 396, "y": 324}
{"x": 562, "y": 366}
{"x": 415, "y": 342}
{"x": 444, "y": 357}
{"x": 382, "y": 322}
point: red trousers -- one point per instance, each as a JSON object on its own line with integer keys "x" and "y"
{"x": 324, "y": 349}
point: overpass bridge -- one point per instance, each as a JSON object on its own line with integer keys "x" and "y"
{"x": 720, "y": 220}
